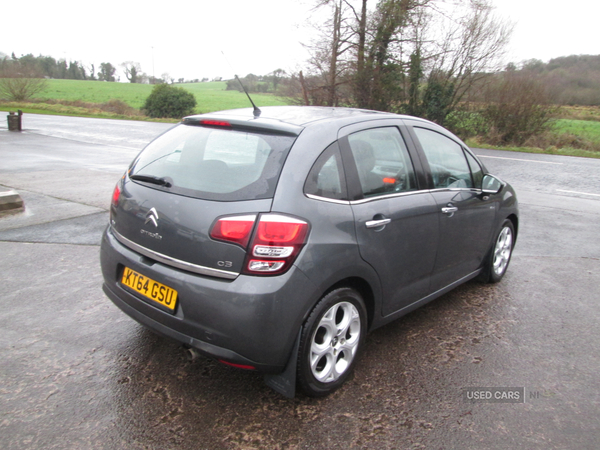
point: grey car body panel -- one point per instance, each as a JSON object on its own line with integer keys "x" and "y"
{"x": 255, "y": 320}
{"x": 183, "y": 225}
{"x": 223, "y": 313}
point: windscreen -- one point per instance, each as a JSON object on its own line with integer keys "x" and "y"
{"x": 213, "y": 163}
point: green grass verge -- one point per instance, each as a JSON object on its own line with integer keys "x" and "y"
{"x": 565, "y": 151}
{"x": 585, "y": 129}
{"x": 69, "y": 110}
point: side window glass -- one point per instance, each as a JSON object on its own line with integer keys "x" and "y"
{"x": 326, "y": 178}
{"x": 476, "y": 170}
{"x": 446, "y": 158}
{"x": 382, "y": 160}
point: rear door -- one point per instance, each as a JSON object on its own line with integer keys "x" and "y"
{"x": 466, "y": 217}
{"x": 396, "y": 221}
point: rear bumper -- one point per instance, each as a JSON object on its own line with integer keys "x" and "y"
{"x": 209, "y": 350}
{"x": 250, "y": 320}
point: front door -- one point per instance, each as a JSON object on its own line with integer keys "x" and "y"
{"x": 396, "y": 222}
{"x": 466, "y": 217}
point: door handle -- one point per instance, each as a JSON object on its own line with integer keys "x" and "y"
{"x": 377, "y": 223}
{"x": 449, "y": 210}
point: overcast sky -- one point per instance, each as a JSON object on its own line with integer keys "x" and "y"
{"x": 187, "y": 39}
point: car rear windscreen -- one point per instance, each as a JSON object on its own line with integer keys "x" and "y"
{"x": 214, "y": 163}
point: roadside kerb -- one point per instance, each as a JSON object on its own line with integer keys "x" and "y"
{"x": 9, "y": 199}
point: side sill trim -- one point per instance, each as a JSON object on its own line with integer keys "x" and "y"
{"x": 177, "y": 263}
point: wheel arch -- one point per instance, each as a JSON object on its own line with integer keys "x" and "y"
{"x": 515, "y": 221}
{"x": 364, "y": 289}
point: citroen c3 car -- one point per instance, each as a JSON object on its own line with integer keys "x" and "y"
{"x": 275, "y": 240}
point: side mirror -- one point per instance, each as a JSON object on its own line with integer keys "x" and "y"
{"x": 491, "y": 185}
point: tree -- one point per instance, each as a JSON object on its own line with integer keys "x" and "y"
{"x": 384, "y": 58}
{"x": 62, "y": 69}
{"x": 437, "y": 98}
{"x": 76, "y": 71}
{"x": 276, "y": 76}
{"x": 415, "y": 74}
{"x": 330, "y": 55}
{"x": 357, "y": 54}
{"x": 132, "y": 70}
{"x": 107, "y": 72}
{"x": 19, "y": 82}
{"x": 169, "y": 101}
{"x": 468, "y": 48}
{"x": 517, "y": 107}
{"x": 375, "y": 55}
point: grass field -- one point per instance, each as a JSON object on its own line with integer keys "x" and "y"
{"x": 585, "y": 129}
{"x": 213, "y": 97}
{"x": 570, "y": 137}
{"x": 210, "y": 96}
{"x": 95, "y": 92}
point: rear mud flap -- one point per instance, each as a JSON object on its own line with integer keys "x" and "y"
{"x": 285, "y": 382}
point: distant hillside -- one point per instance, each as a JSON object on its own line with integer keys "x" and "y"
{"x": 571, "y": 80}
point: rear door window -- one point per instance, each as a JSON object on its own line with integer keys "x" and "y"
{"x": 215, "y": 164}
{"x": 382, "y": 161}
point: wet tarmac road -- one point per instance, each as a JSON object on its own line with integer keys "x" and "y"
{"x": 77, "y": 373}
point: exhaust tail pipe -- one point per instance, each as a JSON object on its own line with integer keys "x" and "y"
{"x": 191, "y": 353}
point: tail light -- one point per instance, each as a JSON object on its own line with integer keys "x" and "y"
{"x": 274, "y": 246}
{"x": 117, "y": 192}
{"x": 235, "y": 229}
{"x": 116, "y": 195}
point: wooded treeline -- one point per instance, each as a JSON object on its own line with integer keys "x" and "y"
{"x": 49, "y": 67}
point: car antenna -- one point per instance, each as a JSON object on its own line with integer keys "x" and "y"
{"x": 256, "y": 111}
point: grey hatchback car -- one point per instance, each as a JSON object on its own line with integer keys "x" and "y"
{"x": 275, "y": 241}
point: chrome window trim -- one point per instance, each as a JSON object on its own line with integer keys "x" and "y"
{"x": 173, "y": 262}
{"x": 327, "y": 199}
{"x": 388, "y": 196}
{"x": 455, "y": 190}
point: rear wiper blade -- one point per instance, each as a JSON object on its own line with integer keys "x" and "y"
{"x": 151, "y": 179}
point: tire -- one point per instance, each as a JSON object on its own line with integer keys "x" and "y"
{"x": 331, "y": 339}
{"x": 499, "y": 256}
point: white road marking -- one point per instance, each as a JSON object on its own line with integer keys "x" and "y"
{"x": 575, "y": 192}
{"x": 526, "y": 160}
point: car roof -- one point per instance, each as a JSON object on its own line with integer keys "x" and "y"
{"x": 292, "y": 119}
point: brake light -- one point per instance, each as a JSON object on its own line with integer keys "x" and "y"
{"x": 276, "y": 244}
{"x": 215, "y": 123}
{"x": 116, "y": 195}
{"x": 235, "y": 229}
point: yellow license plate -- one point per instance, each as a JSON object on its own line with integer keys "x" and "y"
{"x": 149, "y": 288}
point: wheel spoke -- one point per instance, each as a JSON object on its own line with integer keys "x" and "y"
{"x": 334, "y": 342}
{"x": 502, "y": 251}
